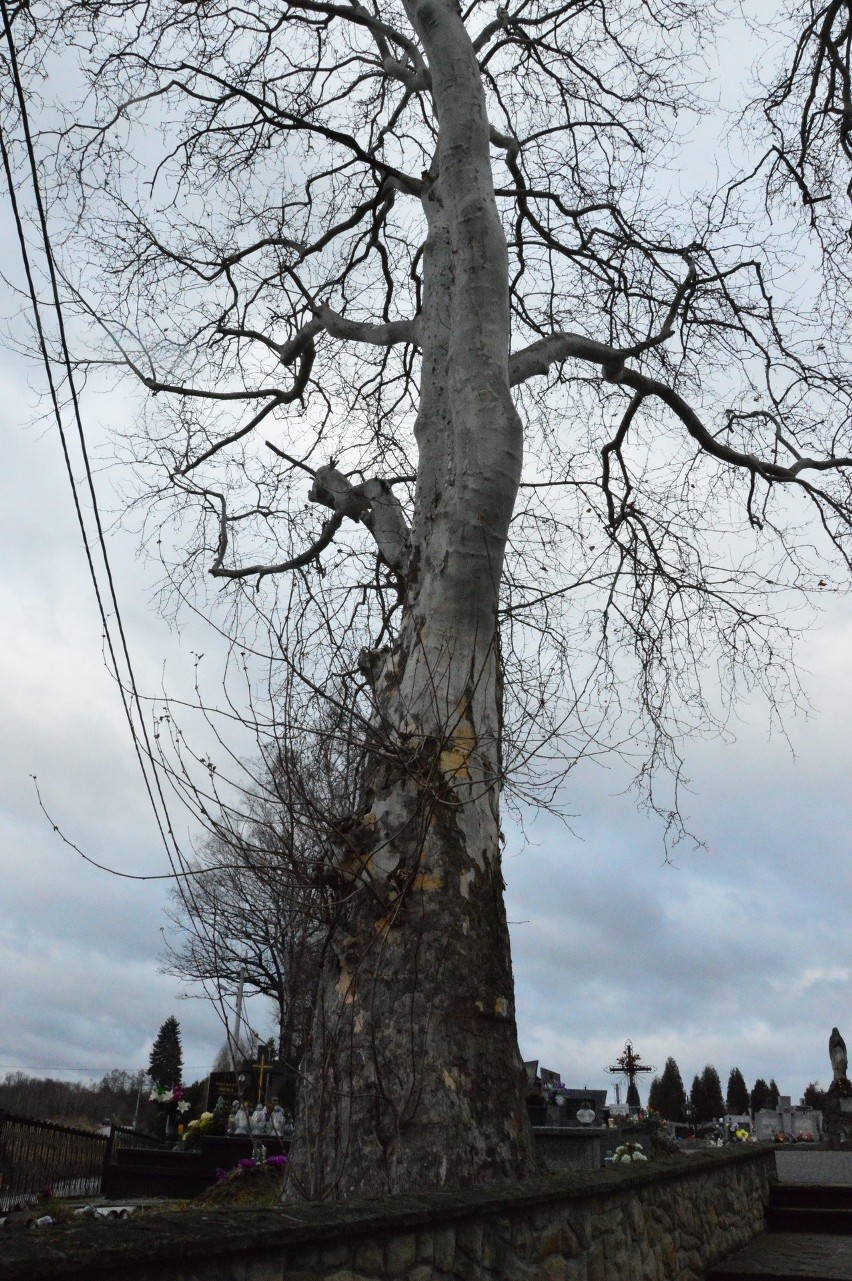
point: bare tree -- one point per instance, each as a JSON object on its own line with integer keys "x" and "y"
{"x": 257, "y": 916}
{"x": 409, "y": 262}
{"x": 259, "y": 911}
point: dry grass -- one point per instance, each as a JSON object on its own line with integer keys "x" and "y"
{"x": 259, "y": 1188}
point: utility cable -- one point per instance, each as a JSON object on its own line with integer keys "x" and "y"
{"x": 183, "y": 874}
{"x": 163, "y": 820}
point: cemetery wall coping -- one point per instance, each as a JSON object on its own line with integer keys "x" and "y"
{"x": 189, "y": 1243}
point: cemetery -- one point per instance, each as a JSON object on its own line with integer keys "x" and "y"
{"x": 494, "y": 422}
{"x": 619, "y": 1197}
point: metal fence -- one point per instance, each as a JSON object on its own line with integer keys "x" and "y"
{"x": 41, "y": 1158}
{"x": 122, "y": 1136}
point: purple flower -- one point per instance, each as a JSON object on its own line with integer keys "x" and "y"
{"x": 278, "y": 1160}
{"x": 247, "y": 1163}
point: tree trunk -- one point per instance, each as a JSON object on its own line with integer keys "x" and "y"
{"x": 414, "y": 1079}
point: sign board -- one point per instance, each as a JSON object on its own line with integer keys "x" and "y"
{"x": 225, "y": 1085}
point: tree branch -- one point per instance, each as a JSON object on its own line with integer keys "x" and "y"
{"x": 218, "y": 570}
{"x": 386, "y": 335}
{"x": 374, "y": 504}
{"x": 538, "y": 358}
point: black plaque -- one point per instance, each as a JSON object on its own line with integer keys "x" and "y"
{"x": 229, "y": 1087}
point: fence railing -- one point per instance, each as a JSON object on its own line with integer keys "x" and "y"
{"x": 43, "y": 1158}
{"x": 122, "y": 1136}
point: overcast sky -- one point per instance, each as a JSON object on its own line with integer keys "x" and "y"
{"x": 736, "y": 955}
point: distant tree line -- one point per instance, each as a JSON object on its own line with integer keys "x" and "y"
{"x": 86, "y": 1104}
{"x": 120, "y": 1097}
{"x": 705, "y": 1101}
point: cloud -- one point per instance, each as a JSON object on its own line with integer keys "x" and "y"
{"x": 739, "y": 954}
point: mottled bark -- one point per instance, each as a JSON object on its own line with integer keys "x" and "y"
{"x": 414, "y": 1077}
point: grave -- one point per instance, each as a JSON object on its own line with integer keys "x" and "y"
{"x": 187, "y": 1169}
{"x": 262, "y": 1079}
{"x": 790, "y": 1119}
{"x": 135, "y": 1172}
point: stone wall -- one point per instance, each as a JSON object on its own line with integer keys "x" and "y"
{"x": 668, "y": 1220}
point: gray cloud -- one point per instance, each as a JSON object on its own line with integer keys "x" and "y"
{"x": 737, "y": 955}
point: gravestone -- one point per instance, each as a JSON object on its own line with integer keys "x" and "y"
{"x": 575, "y": 1100}
{"x": 258, "y": 1081}
{"x": 221, "y": 1085}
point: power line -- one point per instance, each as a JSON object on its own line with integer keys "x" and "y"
{"x": 133, "y": 700}
{"x": 48, "y": 252}
{"x": 41, "y": 1067}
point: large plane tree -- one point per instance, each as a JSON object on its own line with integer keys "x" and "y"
{"x": 483, "y": 408}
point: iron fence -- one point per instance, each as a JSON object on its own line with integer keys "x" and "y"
{"x": 122, "y": 1136}
{"x": 41, "y": 1158}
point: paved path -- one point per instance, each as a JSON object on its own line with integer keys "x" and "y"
{"x": 813, "y": 1165}
{"x": 791, "y": 1256}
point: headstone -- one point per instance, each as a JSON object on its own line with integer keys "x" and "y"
{"x": 792, "y": 1121}
{"x": 531, "y": 1070}
{"x": 577, "y": 1100}
{"x": 221, "y": 1085}
{"x": 255, "y": 1082}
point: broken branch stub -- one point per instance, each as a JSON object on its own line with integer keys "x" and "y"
{"x": 373, "y": 504}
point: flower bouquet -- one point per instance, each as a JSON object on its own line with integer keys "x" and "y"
{"x": 172, "y": 1103}
{"x": 645, "y": 1116}
{"x": 628, "y": 1154}
{"x": 556, "y": 1093}
{"x": 204, "y": 1124}
{"x": 173, "y": 1098}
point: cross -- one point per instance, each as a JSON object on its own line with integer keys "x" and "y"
{"x": 263, "y": 1070}
{"x": 630, "y": 1064}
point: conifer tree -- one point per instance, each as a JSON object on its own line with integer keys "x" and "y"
{"x": 672, "y": 1095}
{"x": 814, "y": 1096}
{"x": 696, "y": 1101}
{"x": 165, "y": 1066}
{"x": 737, "y": 1095}
{"x": 711, "y": 1086}
{"x": 761, "y": 1096}
{"x": 774, "y": 1093}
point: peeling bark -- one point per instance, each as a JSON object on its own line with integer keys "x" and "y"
{"x": 414, "y": 1078}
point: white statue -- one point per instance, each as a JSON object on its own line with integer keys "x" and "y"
{"x": 232, "y": 1117}
{"x": 837, "y": 1054}
{"x": 280, "y": 1123}
{"x": 258, "y": 1120}
{"x": 240, "y": 1119}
